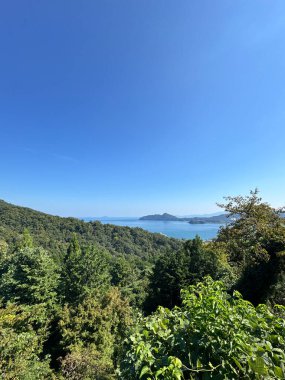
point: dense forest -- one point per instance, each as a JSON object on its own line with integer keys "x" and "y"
{"x": 91, "y": 301}
{"x": 54, "y": 233}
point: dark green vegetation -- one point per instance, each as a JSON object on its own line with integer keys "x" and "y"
{"x": 212, "y": 336}
{"x": 54, "y": 233}
{"x": 87, "y": 301}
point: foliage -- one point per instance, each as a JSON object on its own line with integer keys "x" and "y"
{"x": 176, "y": 270}
{"x": 66, "y": 310}
{"x": 3, "y": 248}
{"x": 21, "y": 344}
{"x": 26, "y": 240}
{"x": 132, "y": 277}
{"x": 84, "y": 272}
{"x": 87, "y": 364}
{"x": 53, "y": 233}
{"x": 256, "y": 233}
{"x": 29, "y": 276}
{"x": 211, "y": 336}
{"x": 95, "y": 327}
{"x": 254, "y": 243}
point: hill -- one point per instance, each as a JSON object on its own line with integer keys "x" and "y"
{"x": 165, "y": 216}
{"x": 54, "y": 232}
{"x": 217, "y": 219}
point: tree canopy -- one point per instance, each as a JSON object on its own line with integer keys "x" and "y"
{"x": 83, "y": 301}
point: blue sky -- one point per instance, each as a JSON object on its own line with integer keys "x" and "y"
{"x": 132, "y": 107}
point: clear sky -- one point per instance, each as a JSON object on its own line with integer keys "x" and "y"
{"x": 127, "y": 107}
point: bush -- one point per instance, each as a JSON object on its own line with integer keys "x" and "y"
{"x": 212, "y": 336}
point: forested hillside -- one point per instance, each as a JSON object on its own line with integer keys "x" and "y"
{"x": 87, "y": 301}
{"x": 54, "y": 232}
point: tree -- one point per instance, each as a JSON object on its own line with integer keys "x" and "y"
{"x": 205, "y": 259}
{"x": 26, "y": 240}
{"x": 93, "y": 334}
{"x": 3, "y": 250}
{"x": 175, "y": 270}
{"x": 84, "y": 272}
{"x": 131, "y": 275}
{"x": 254, "y": 240}
{"x": 29, "y": 276}
{"x": 21, "y": 344}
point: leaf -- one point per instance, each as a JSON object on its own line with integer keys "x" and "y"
{"x": 257, "y": 366}
{"x": 199, "y": 364}
{"x": 177, "y": 373}
{"x": 279, "y": 372}
{"x": 237, "y": 363}
{"x": 145, "y": 370}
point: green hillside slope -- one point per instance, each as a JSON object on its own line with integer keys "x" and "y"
{"x": 53, "y": 232}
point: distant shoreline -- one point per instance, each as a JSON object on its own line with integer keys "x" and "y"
{"x": 218, "y": 219}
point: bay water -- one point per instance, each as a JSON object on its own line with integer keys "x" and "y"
{"x": 175, "y": 229}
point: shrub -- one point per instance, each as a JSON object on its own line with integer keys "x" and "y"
{"x": 212, "y": 336}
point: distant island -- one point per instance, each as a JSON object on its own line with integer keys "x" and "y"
{"x": 218, "y": 219}
{"x": 165, "y": 216}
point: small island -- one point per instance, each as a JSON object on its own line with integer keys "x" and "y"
{"x": 218, "y": 219}
{"x": 165, "y": 216}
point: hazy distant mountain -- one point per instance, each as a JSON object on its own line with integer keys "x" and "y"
{"x": 207, "y": 215}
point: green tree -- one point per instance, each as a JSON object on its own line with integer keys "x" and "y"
{"x": 255, "y": 240}
{"x": 131, "y": 275}
{"x": 93, "y": 334}
{"x": 21, "y": 345}
{"x": 3, "y": 250}
{"x": 84, "y": 272}
{"x": 27, "y": 240}
{"x": 176, "y": 270}
{"x": 29, "y": 276}
{"x": 205, "y": 259}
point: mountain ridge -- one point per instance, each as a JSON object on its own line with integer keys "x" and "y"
{"x": 217, "y": 219}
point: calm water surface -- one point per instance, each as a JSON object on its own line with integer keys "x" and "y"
{"x": 179, "y": 230}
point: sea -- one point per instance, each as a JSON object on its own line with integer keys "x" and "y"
{"x": 175, "y": 229}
